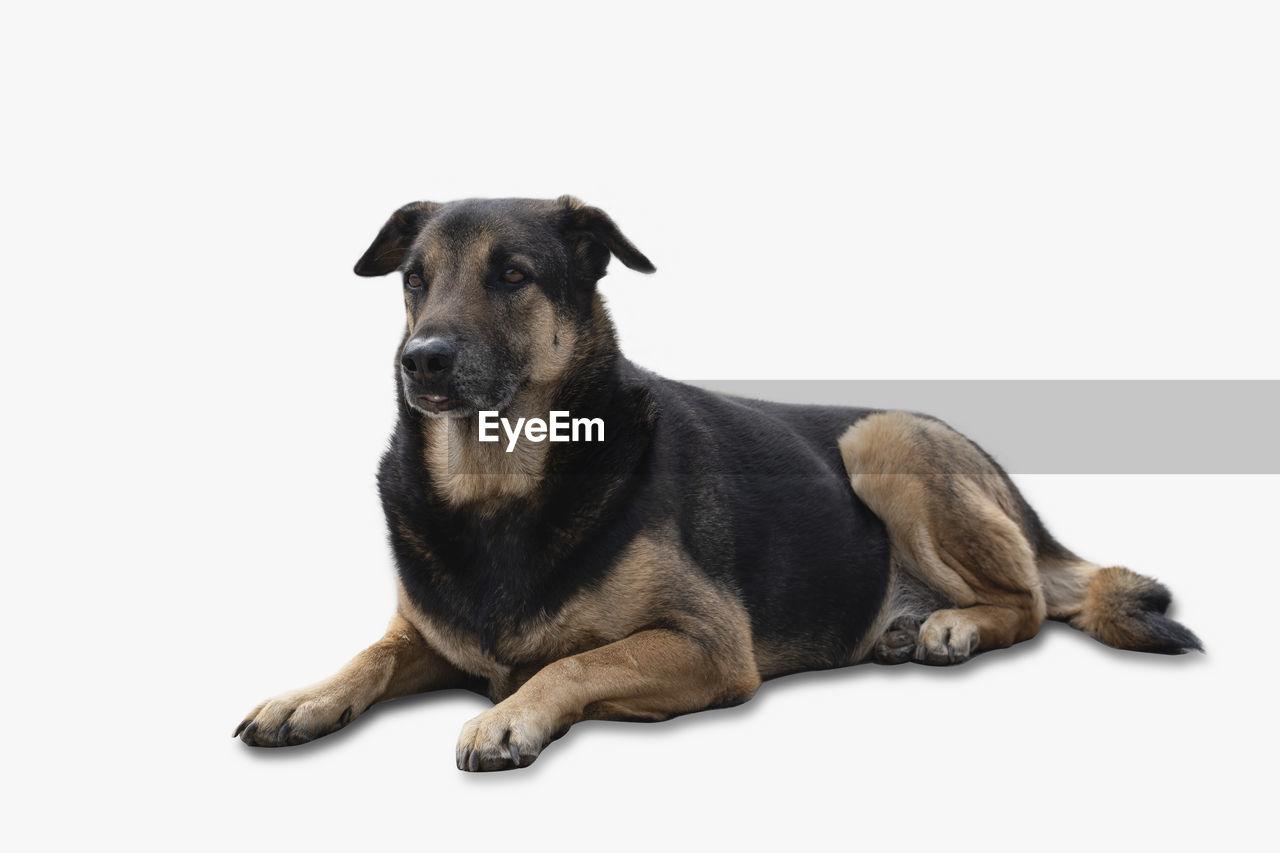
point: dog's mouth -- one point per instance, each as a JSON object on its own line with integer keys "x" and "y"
{"x": 435, "y": 403}
{"x": 451, "y": 399}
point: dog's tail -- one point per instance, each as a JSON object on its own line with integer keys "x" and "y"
{"x": 1113, "y": 605}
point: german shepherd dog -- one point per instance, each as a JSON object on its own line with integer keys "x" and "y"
{"x": 705, "y": 544}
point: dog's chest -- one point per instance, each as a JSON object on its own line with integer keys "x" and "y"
{"x": 508, "y": 650}
{"x": 507, "y": 657}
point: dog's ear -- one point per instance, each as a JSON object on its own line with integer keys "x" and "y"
{"x": 388, "y": 248}
{"x": 594, "y": 236}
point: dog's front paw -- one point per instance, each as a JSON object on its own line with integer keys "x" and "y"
{"x": 296, "y": 717}
{"x": 502, "y": 738}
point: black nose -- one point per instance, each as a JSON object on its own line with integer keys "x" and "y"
{"x": 431, "y": 358}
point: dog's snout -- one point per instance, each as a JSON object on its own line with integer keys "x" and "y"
{"x": 432, "y": 357}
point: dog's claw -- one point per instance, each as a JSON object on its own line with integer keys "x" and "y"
{"x": 283, "y": 736}
{"x": 250, "y": 732}
{"x": 515, "y": 755}
{"x": 244, "y": 724}
{"x": 346, "y": 717}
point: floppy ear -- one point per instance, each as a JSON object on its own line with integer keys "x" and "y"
{"x": 388, "y": 248}
{"x": 594, "y": 236}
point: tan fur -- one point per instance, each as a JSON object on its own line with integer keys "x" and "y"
{"x": 1105, "y": 603}
{"x": 652, "y": 581}
{"x": 781, "y": 658}
{"x": 1065, "y": 581}
{"x": 701, "y": 657}
{"x": 1120, "y": 608}
{"x": 1102, "y": 613}
{"x": 551, "y": 343}
{"x": 952, "y": 522}
{"x": 654, "y": 635}
{"x": 599, "y": 656}
{"x": 399, "y": 664}
{"x": 484, "y": 475}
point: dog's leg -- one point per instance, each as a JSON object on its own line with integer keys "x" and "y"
{"x": 953, "y": 520}
{"x": 399, "y": 664}
{"x": 651, "y": 675}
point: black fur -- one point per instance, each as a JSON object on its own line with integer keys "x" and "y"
{"x": 1141, "y": 610}
{"x": 725, "y": 507}
{"x": 757, "y": 491}
{"x": 1166, "y": 636}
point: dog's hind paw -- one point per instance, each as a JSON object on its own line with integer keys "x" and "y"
{"x": 946, "y": 637}
{"x": 898, "y": 643}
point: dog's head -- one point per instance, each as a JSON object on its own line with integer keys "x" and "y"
{"x": 498, "y": 293}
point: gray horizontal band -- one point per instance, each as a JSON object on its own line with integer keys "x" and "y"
{"x": 1076, "y": 426}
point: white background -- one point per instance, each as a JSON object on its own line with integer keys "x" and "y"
{"x": 196, "y": 391}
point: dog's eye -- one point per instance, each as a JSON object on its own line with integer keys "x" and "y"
{"x": 511, "y": 275}
{"x": 414, "y": 281}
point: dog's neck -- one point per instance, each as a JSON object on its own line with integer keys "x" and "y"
{"x": 486, "y": 477}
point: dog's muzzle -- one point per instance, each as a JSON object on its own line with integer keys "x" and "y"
{"x": 428, "y": 372}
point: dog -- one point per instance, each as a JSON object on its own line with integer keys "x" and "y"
{"x": 702, "y": 545}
